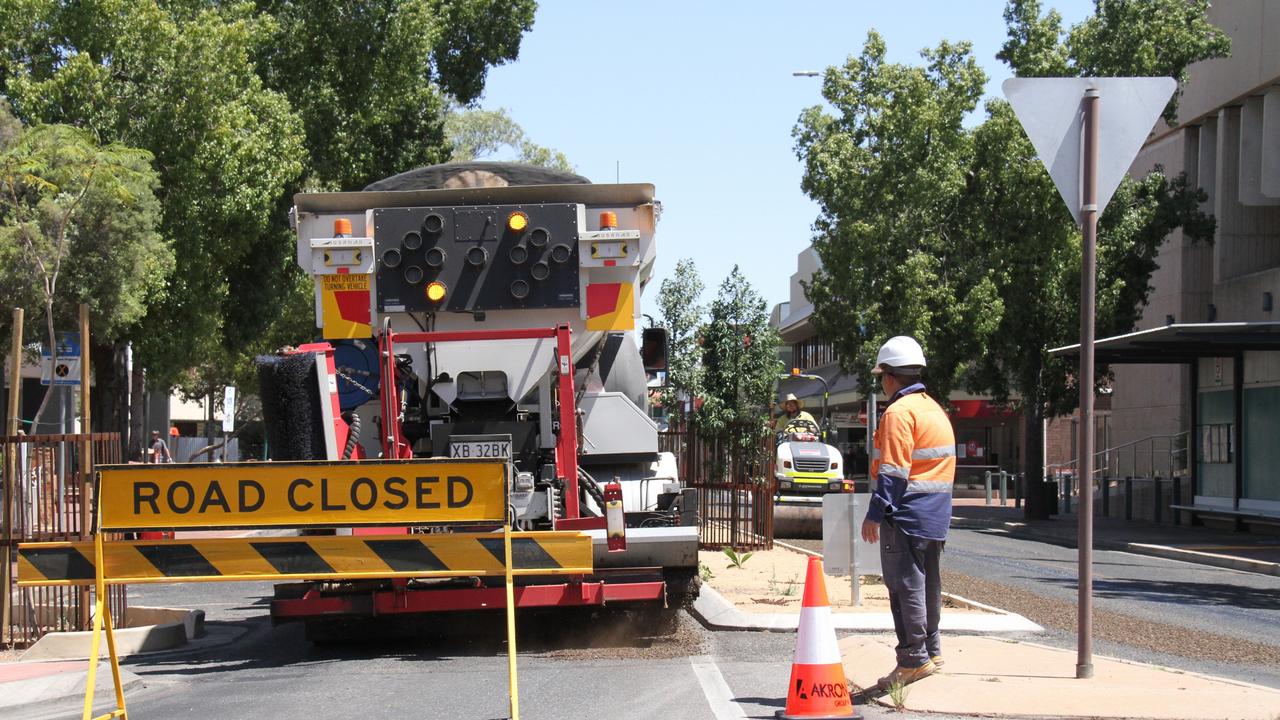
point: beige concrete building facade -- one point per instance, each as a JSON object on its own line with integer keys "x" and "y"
{"x": 1227, "y": 140}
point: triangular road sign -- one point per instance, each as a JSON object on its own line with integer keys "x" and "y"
{"x": 1050, "y": 112}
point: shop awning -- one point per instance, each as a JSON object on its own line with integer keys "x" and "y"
{"x": 1182, "y": 343}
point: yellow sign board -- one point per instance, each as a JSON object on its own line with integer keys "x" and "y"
{"x": 301, "y": 494}
{"x": 345, "y": 306}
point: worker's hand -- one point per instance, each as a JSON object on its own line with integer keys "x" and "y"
{"x": 871, "y": 531}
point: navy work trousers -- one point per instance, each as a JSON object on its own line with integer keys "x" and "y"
{"x": 912, "y": 576}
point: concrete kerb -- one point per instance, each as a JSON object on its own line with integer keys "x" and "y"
{"x": 159, "y": 630}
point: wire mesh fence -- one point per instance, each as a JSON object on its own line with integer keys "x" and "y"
{"x": 47, "y": 496}
{"x": 735, "y": 488}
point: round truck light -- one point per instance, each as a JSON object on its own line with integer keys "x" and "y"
{"x": 786, "y": 463}
{"x": 518, "y": 221}
{"x": 436, "y": 291}
{"x": 835, "y": 486}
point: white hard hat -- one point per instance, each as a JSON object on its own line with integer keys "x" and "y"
{"x": 899, "y": 352}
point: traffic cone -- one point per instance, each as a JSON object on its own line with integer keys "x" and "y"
{"x": 818, "y": 687}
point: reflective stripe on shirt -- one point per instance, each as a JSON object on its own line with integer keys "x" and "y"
{"x": 929, "y": 486}
{"x": 934, "y": 453}
{"x": 895, "y": 471}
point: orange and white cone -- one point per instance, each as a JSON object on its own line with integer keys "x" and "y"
{"x": 818, "y": 688}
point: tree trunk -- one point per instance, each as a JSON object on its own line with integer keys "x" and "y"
{"x": 137, "y": 413}
{"x": 107, "y": 398}
{"x": 1035, "y": 507}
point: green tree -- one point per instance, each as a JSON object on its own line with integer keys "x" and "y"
{"x": 371, "y": 80}
{"x": 178, "y": 80}
{"x": 1034, "y": 242}
{"x": 1151, "y": 38}
{"x": 958, "y": 236}
{"x": 888, "y": 169}
{"x": 1033, "y": 246}
{"x": 240, "y": 103}
{"x": 740, "y": 357}
{"x": 78, "y": 224}
{"x": 680, "y": 303}
{"x": 475, "y": 134}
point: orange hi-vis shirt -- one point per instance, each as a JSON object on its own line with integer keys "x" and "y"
{"x": 914, "y": 465}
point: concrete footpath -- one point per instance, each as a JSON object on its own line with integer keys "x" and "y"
{"x": 30, "y": 686}
{"x": 992, "y": 677}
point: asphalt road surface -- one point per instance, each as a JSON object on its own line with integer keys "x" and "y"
{"x": 1166, "y": 612}
{"x": 571, "y": 665}
{"x": 576, "y": 665}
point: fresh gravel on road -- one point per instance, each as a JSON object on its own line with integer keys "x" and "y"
{"x": 1109, "y": 626}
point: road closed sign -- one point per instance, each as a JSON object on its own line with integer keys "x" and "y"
{"x": 299, "y": 494}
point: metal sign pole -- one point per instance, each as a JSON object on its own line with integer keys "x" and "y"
{"x": 1084, "y": 509}
{"x": 10, "y": 475}
{"x": 514, "y": 688}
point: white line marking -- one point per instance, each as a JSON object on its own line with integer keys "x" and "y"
{"x": 716, "y": 690}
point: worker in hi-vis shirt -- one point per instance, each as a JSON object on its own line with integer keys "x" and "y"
{"x": 914, "y": 465}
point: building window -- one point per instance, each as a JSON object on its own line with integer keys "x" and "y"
{"x": 812, "y": 353}
{"x": 1216, "y": 445}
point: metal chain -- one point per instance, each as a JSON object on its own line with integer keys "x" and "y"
{"x": 353, "y": 381}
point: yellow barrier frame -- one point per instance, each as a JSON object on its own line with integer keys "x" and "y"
{"x": 104, "y": 625}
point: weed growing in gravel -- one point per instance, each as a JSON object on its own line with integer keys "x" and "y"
{"x": 735, "y": 559}
{"x": 786, "y": 589}
{"x": 705, "y": 572}
{"x": 898, "y": 696}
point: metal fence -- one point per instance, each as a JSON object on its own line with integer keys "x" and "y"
{"x": 46, "y": 495}
{"x": 735, "y": 493}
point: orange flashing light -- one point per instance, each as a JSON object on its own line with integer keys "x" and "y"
{"x": 608, "y": 220}
{"x": 436, "y": 291}
{"x": 795, "y": 371}
{"x": 342, "y": 226}
{"x": 518, "y": 221}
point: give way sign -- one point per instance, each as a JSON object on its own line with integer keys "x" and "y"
{"x": 1050, "y": 112}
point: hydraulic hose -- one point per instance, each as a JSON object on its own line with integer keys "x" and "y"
{"x": 353, "y": 433}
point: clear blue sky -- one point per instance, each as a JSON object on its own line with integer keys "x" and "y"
{"x": 698, "y": 98}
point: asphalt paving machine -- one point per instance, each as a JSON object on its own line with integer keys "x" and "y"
{"x": 490, "y": 310}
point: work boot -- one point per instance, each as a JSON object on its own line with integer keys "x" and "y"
{"x": 906, "y": 676}
{"x": 937, "y": 661}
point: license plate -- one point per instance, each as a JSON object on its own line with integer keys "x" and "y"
{"x": 498, "y": 449}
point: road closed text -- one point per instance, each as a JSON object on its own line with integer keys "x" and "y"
{"x": 289, "y": 494}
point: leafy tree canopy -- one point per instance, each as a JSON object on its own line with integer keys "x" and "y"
{"x": 1123, "y": 38}
{"x": 475, "y": 134}
{"x": 741, "y": 366}
{"x": 680, "y": 302}
{"x": 238, "y": 102}
{"x": 78, "y": 224}
{"x": 889, "y": 171}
